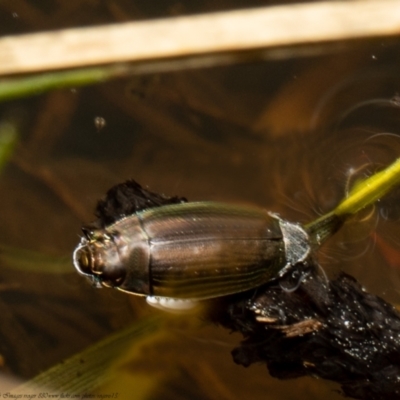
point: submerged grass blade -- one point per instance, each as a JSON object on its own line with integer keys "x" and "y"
{"x": 32, "y": 261}
{"x": 86, "y": 372}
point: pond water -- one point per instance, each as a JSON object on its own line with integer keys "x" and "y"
{"x": 288, "y": 135}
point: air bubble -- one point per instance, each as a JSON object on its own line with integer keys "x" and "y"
{"x": 100, "y": 123}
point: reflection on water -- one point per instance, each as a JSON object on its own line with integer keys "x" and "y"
{"x": 358, "y": 147}
{"x": 236, "y": 134}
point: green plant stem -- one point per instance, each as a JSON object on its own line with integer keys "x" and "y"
{"x": 8, "y": 140}
{"x": 362, "y": 195}
{"x": 35, "y": 84}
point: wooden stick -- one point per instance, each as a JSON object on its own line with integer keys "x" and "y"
{"x": 193, "y": 36}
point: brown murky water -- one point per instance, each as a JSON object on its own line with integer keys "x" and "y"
{"x": 291, "y": 136}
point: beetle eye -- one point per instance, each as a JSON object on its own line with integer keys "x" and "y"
{"x": 83, "y": 260}
{"x": 113, "y": 276}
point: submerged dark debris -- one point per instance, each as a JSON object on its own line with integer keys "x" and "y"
{"x": 328, "y": 329}
{"x": 126, "y": 199}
